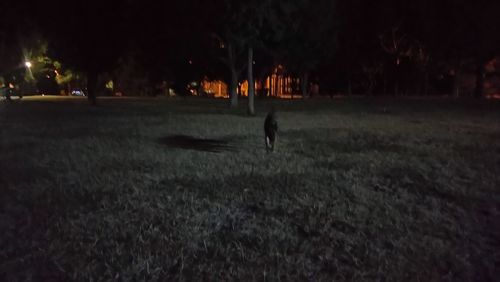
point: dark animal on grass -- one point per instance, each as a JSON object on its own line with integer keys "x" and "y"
{"x": 271, "y": 130}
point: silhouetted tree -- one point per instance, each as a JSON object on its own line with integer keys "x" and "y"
{"x": 306, "y": 32}
{"x": 90, "y": 38}
{"x": 456, "y": 32}
{"x": 238, "y": 32}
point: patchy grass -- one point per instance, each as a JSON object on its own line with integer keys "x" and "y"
{"x": 182, "y": 189}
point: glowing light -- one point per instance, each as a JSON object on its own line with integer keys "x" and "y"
{"x": 28, "y": 64}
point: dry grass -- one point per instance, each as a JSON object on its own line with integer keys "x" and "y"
{"x": 154, "y": 189}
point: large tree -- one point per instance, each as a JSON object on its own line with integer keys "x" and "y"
{"x": 91, "y": 37}
{"x": 306, "y": 35}
{"x": 459, "y": 32}
{"x": 237, "y": 33}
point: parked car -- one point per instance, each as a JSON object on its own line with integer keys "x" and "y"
{"x": 8, "y": 91}
{"x": 77, "y": 92}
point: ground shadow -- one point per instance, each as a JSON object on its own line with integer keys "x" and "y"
{"x": 198, "y": 144}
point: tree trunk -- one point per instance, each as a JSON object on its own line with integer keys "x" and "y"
{"x": 384, "y": 91}
{"x": 349, "y": 86}
{"x": 426, "y": 83}
{"x": 479, "y": 90}
{"x": 276, "y": 86}
{"x": 270, "y": 89}
{"x": 233, "y": 85}
{"x": 304, "y": 77}
{"x": 397, "y": 76}
{"x": 233, "y": 88}
{"x": 262, "y": 92}
{"x": 92, "y": 87}
{"x": 371, "y": 86}
{"x": 456, "y": 83}
{"x": 251, "y": 85}
{"x": 283, "y": 85}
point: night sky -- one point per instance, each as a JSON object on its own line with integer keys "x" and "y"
{"x": 335, "y": 41}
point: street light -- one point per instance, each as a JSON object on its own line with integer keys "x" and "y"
{"x": 28, "y": 64}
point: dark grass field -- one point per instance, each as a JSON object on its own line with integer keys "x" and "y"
{"x": 182, "y": 189}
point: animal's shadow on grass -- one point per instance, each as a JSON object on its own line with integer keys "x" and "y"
{"x": 197, "y": 144}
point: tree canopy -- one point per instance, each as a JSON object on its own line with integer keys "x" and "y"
{"x": 364, "y": 46}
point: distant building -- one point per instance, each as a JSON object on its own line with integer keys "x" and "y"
{"x": 464, "y": 79}
{"x": 215, "y": 88}
{"x": 492, "y": 78}
{"x": 279, "y": 84}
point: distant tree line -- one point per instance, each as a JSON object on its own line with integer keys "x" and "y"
{"x": 384, "y": 47}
